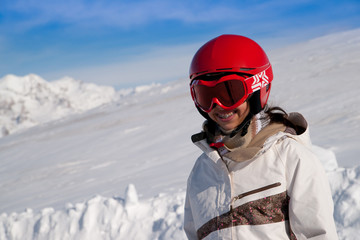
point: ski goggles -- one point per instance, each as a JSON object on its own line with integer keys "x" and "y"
{"x": 229, "y": 91}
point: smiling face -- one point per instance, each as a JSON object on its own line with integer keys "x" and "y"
{"x": 229, "y": 120}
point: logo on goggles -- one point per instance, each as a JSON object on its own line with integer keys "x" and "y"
{"x": 260, "y": 80}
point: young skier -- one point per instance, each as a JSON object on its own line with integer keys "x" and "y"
{"x": 257, "y": 177}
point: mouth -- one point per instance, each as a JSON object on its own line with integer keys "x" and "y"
{"x": 225, "y": 116}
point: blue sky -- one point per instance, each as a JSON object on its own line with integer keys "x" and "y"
{"x": 133, "y": 42}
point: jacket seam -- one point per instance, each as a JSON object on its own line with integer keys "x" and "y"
{"x": 229, "y": 174}
{"x": 276, "y": 146}
{"x": 292, "y": 234}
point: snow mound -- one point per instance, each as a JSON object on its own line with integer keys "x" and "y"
{"x": 345, "y": 187}
{"x": 160, "y": 217}
{"x": 345, "y": 184}
{"x": 30, "y": 100}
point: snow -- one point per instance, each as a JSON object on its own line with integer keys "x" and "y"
{"x": 160, "y": 217}
{"x": 114, "y": 165}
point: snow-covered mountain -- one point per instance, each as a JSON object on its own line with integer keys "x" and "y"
{"x": 119, "y": 171}
{"x": 30, "y": 100}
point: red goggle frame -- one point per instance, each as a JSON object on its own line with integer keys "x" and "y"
{"x": 229, "y": 91}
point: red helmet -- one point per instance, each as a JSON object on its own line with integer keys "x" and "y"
{"x": 234, "y": 54}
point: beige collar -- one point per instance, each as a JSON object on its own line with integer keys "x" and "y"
{"x": 252, "y": 145}
{"x": 239, "y": 141}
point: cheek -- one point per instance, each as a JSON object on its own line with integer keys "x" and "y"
{"x": 243, "y": 108}
{"x": 212, "y": 115}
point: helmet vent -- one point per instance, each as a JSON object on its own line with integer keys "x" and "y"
{"x": 222, "y": 69}
{"x": 246, "y": 69}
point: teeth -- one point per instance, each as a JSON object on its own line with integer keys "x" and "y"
{"x": 227, "y": 115}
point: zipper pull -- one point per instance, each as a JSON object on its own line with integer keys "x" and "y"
{"x": 217, "y": 145}
{"x": 220, "y": 147}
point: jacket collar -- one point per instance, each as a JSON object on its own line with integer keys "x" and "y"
{"x": 261, "y": 142}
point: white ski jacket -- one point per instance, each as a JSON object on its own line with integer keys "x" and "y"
{"x": 276, "y": 189}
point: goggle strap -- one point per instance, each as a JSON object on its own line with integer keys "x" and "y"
{"x": 258, "y": 81}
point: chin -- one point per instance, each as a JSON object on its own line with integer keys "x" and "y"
{"x": 227, "y": 127}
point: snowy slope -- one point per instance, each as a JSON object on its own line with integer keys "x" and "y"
{"x": 321, "y": 78}
{"x": 119, "y": 171}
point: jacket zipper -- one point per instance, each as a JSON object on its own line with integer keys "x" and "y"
{"x": 256, "y": 191}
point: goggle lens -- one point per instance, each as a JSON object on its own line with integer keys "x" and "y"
{"x": 225, "y": 93}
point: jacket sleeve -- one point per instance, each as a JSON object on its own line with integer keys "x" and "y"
{"x": 189, "y": 226}
{"x": 311, "y": 204}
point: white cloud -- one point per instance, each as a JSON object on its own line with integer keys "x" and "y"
{"x": 158, "y": 65}
{"x": 117, "y": 13}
